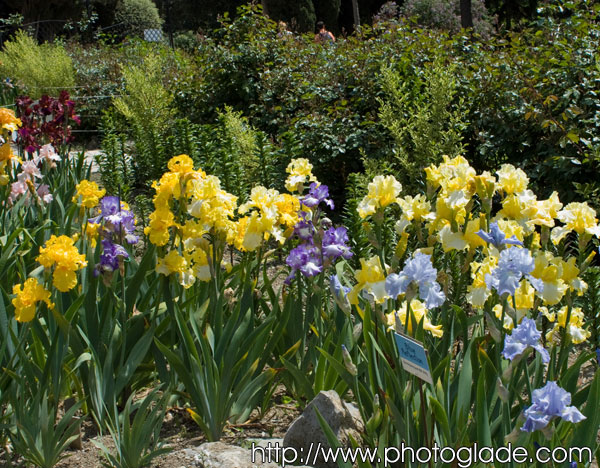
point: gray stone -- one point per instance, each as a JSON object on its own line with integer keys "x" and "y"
{"x": 218, "y": 455}
{"x": 221, "y": 455}
{"x": 306, "y": 436}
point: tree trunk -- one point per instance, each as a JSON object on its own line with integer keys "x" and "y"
{"x": 264, "y": 7}
{"x": 356, "y": 14}
{"x": 466, "y": 16}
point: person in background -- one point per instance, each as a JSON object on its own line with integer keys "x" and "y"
{"x": 282, "y": 29}
{"x": 323, "y": 35}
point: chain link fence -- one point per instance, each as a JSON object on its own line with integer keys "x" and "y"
{"x": 49, "y": 30}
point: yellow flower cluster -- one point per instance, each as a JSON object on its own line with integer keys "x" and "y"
{"x": 458, "y": 206}
{"x": 382, "y": 191}
{"x": 8, "y": 124}
{"x": 300, "y": 173}
{"x": 183, "y": 191}
{"x": 89, "y": 192}
{"x": 61, "y": 253}
{"x": 27, "y": 297}
{"x": 271, "y": 212}
{"x": 189, "y": 205}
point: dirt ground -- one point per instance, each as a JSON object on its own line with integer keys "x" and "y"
{"x": 180, "y": 432}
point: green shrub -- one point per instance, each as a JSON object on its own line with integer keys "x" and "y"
{"x": 36, "y": 69}
{"x": 137, "y": 16}
{"x": 186, "y": 40}
{"x": 422, "y": 117}
{"x": 147, "y": 107}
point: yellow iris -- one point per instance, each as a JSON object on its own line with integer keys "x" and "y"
{"x": 8, "y": 120}
{"x": 370, "y": 277}
{"x": 383, "y": 191}
{"x": 419, "y": 312}
{"x": 512, "y": 180}
{"x": 60, "y": 253}
{"x": 27, "y": 297}
{"x": 89, "y": 192}
{"x": 300, "y": 172}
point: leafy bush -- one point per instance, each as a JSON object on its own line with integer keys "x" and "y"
{"x": 36, "y": 69}
{"x": 99, "y": 72}
{"x": 533, "y": 103}
{"x": 187, "y": 40}
{"x": 138, "y": 15}
{"x": 423, "y": 118}
{"x": 147, "y": 107}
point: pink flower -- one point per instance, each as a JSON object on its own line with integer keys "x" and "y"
{"x": 44, "y": 193}
{"x": 17, "y": 189}
{"x": 29, "y": 168}
{"x": 48, "y": 154}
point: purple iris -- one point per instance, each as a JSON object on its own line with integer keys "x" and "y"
{"x": 317, "y": 194}
{"x": 497, "y": 237}
{"x": 116, "y": 219}
{"x": 513, "y": 265}
{"x": 109, "y": 259}
{"x": 524, "y": 336}
{"x": 549, "y": 402}
{"x": 335, "y": 243}
{"x": 306, "y": 259}
{"x": 419, "y": 270}
{"x": 304, "y": 228}
{"x": 598, "y": 355}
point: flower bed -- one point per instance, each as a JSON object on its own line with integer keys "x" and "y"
{"x": 499, "y": 288}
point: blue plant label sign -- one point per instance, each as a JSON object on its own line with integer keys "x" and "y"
{"x": 413, "y": 356}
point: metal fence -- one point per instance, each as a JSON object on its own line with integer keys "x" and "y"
{"x": 49, "y": 30}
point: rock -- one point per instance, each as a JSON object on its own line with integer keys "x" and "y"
{"x": 306, "y": 436}
{"x": 221, "y": 455}
{"x": 218, "y": 454}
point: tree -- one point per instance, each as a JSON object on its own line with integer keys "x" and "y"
{"x": 138, "y": 15}
{"x": 36, "y": 10}
{"x": 328, "y": 12}
{"x": 299, "y": 14}
{"x": 466, "y": 14}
